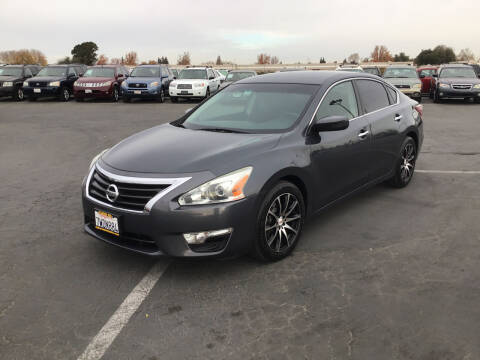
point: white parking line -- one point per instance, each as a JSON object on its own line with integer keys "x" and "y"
{"x": 102, "y": 341}
{"x": 471, "y": 172}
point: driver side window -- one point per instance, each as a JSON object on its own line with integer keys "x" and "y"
{"x": 71, "y": 71}
{"x": 340, "y": 101}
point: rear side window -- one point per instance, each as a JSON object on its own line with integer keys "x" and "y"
{"x": 340, "y": 100}
{"x": 28, "y": 72}
{"x": 71, "y": 71}
{"x": 392, "y": 95}
{"x": 373, "y": 95}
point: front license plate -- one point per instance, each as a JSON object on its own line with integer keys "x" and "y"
{"x": 106, "y": 222}
{"x": 37, "y": 91}
{"x": 88, "y": 91}
{"x": 137, "y": 92}
{"x": 183, "y": 92}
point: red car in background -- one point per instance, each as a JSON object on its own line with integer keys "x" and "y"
{"x": 426, "y": 74}
{"x": 101, "y": 82}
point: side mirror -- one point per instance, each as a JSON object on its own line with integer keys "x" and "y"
{"x": 435, "y": 75}
{"x": 120, "y": 75}
{"x": 330, "y": 123}
{"x": 211, "y": 78}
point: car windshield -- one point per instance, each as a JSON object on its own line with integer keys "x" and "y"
{"x": 223, "y": 72}
{"x": 193, "y": 74}
{"x": 458, "y": 73}
{"x": 10, "y": 71}
{"x": 52, "y": 71}
{"x": 235, "y": 76}
{"x": 400, "y": 73}
{"x": 145, "y": 72}
{"x": 100, "y": 72}
{"x": 252, "y": 108}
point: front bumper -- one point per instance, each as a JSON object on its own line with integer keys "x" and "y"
{"x": 47, "y": 91}
{"x": 7, "y": 91}
{"x": 199, "y": 92}
{"x": 140, "y": 93}
{"x": 160, "y": 231}
{"x": 412, "y": 92}
{"x": 93, "y": 92}
{"x": 453, "y": 93}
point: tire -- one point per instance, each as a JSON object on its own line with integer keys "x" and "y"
{"x": 274, "y": 240}
{"x": 436, "y": 98}
{"x": 126, "y": 99}
{"x": 161, "y": 97}
{"x": 64, "y": 94}
{"x": 174, "y": 99}
{"x": 207, "y": 94}
{"x": 430, "y": 95}
{"x": 19, "y": 95}
{"x": 405, "y": 165}
{"x": 115, "y": 94}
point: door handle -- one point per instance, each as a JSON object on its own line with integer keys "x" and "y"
{"x": 363, "y": 134}
{"x": 398, "y": 117}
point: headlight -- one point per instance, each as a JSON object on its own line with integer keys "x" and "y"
{"x": 199, "y": 84}
{"x": 155, "y": 83}
{"x": 106, "y": 83}
{"x": 417, "y": 86}
{"x": 444, "y": 85}
{"x": 76, "y": 83}
{"x": 8, "y": 83}
{"x": 25, "y": 83}
{"x": 476, "y": 86}
{"x": 95, "y": 159}
{"x": 54, "y": 83}
{"x": 173, "y": 85}
{"x": 225, "y": 188}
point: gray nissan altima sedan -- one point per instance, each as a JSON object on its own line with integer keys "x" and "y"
{"x": 242, "y": 171}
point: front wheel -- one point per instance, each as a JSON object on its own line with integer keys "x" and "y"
{"x": 279, "y": 223}
{"x": 207, "y": 94}
{"x": 161, "y": 96}
{"x": 115, "y": 94}
{"x": 405, "y": 166}
{"x": 18, "y": 95}
{"x": 64, "y": 94}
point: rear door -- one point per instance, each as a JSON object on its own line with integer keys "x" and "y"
{"x": 379, "y": 103}
{"x": 341, "y": 158}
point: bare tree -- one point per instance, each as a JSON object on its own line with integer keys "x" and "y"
{"x": 184, "y": 59}
{"x": 274, "y": 60}
{"x": 131, "y": 58}
{"x": 23, "y": 56}
{"x": 466, "y": 55}
{"x": 102, "y": 60}
{"x": 219, "y": 61}
{"x": 354, "y": 58}
{"x": 381, "y": 54}
{"x": 263, "y": 59}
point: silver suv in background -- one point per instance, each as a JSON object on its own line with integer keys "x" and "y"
{"x": 405, "y": 78}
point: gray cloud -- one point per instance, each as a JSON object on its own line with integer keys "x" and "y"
{"x": 294, "y": 31}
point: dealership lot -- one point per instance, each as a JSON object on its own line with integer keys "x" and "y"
{"x": 387, "y": 274}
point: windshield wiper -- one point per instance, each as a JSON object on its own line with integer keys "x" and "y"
{"x": 223, "y": 130}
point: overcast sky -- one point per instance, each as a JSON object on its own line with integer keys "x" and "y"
{"x": 294, "y": 30}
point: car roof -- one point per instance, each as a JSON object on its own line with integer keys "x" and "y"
{"x": 235, "y": 71}
{"x": 106, "y": 65}
{"x": 456, "y": 66}
{"x": 308, "y": 77}
{"x": 401, "y": 66}
{"x": 150, "y": 65}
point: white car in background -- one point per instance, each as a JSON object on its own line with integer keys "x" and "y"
{"x": 194, "y": 82}
{"x": 353, "y": 68}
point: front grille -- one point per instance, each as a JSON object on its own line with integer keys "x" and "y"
{"x": 131, "y": 196}
{"x": 38, "y": 83}
{"x": 137, "y": 86}
{"x": 184, "y": 86}
{"x": 402, "y": 86}
{"x": 462, "y": 86}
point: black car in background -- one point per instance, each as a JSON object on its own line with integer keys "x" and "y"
{"x": 242, "y": 171}
{"x": 52, "y": 81}
{"x": 455, "y": 81}
{"x": 12, "y": 78}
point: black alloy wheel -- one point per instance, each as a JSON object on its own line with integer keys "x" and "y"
{"x": 405, "y": 166}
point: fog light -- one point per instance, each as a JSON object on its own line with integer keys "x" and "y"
{"x": 441, "y": 94}
{"x": 201, "y": 237}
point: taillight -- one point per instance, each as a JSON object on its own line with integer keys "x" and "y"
{"x": 419, "y": 109}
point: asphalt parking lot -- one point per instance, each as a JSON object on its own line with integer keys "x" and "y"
{"x": 387, "y": 274}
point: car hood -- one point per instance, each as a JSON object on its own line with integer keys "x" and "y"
{"x": 189, "y": 81}
{"x": 167, "y": 149}
{"x": 9, "y": 78}
{"x": 403, "y": 81}
{"x": 142, "y": 80}
{"x": 46, "y": 78}
{"x": 94, "y": 79}
{"x": 473, "y": 81}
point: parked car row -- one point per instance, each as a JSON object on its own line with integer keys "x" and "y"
{"x": 455, "y": 81}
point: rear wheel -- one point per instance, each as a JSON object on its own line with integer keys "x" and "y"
{"x": 18, "y": 95}
{"x": 279, "y": 223}
{"x": 405, "y": 166}
{"x": 161, "y": 96}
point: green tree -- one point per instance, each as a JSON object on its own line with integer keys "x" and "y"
{"x": 163, "y": 60}
{"x": 439, "y": 55}
{"x": 322, "y": 60}
{"x": 65, "y": 60}
{"x": 85, "y": 53}
{"x": 401, "y": 57}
